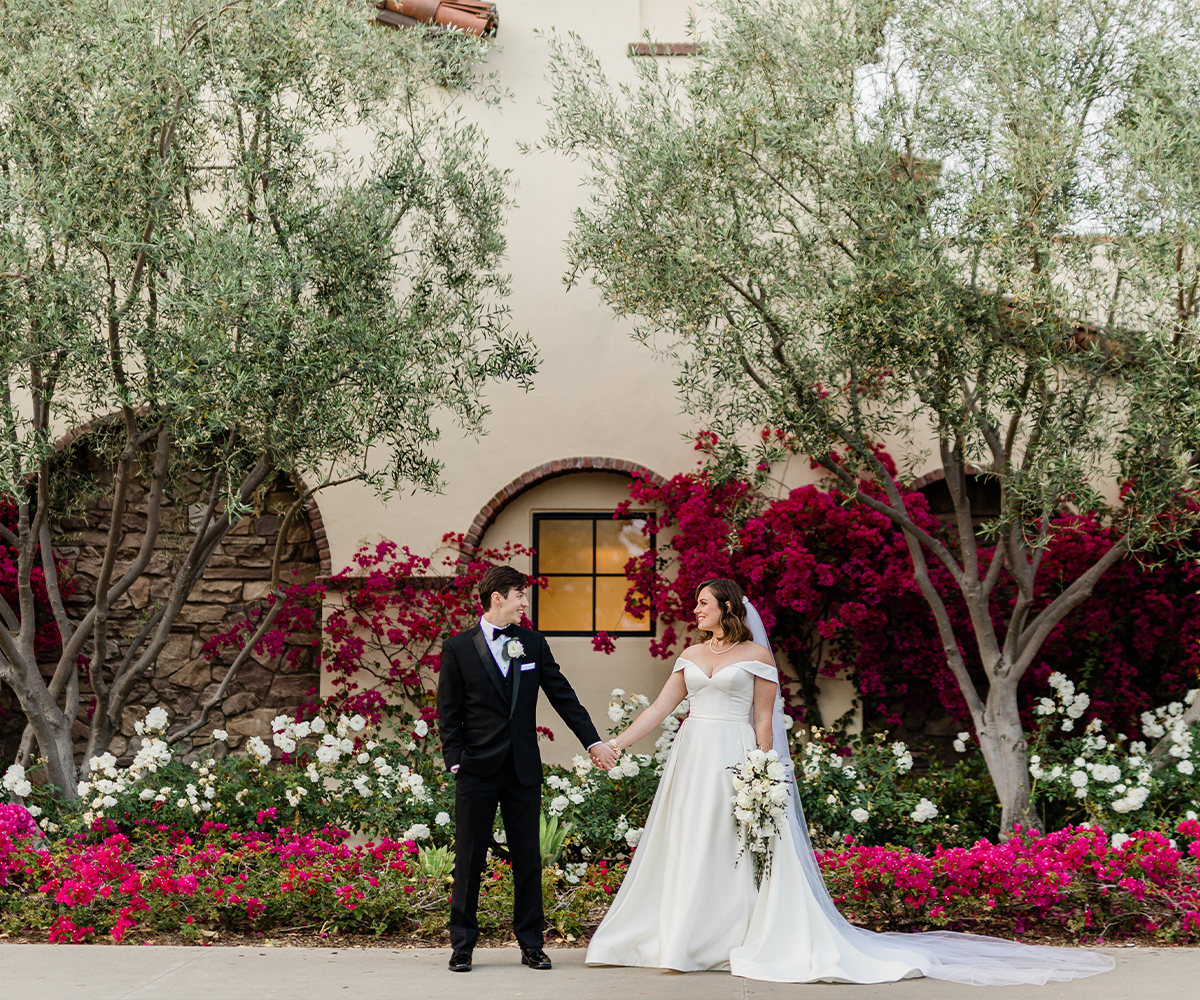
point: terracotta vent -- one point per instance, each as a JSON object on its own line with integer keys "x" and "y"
{"x": 470, "y": 16}
{"x": 664, "y": 49}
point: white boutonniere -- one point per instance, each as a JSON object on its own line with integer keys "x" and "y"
{"x": 513, "y": 649}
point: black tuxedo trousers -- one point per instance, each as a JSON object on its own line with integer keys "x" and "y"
{"x": 488, "y": 726}
{"x": 475, "y": 801}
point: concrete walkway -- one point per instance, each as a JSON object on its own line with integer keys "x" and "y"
{"x": 91, "y": 972}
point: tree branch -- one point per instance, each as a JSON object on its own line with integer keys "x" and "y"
{"x": 304, "y": 497}
{"x": 264, "y": 626}
{"x": 901, "y": 519}
{"x": 1079, "y": 591}
{"x": 192, "y": 569}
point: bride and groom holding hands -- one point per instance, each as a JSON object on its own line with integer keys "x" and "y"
{"x": 686, "y": 903}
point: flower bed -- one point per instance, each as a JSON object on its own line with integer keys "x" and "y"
{"x": 1074, "y": 881}
{"x": 161, "y": 879}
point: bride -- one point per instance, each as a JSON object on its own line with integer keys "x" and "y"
{"x": 686, "y": 903}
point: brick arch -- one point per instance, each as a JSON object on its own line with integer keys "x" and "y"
{"x": 936, "y": 474}
{"x": 534, "y": 477}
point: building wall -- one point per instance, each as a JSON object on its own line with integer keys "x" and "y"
{"x": 598, "y": 393}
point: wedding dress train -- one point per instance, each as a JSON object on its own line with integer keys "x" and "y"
{"x": 687, "y": 904}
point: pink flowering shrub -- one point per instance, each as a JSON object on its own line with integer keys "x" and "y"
{"x": 1070, "y": 882}
{"x": 381, "y": 642}
{"x": 157, "y": 878}
{"x": 16, "y": 821}
{"x": 833, "y": 582}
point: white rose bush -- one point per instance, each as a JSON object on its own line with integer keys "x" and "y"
{"x": 312, "y": 775}
{"x": 866, "y": 787}
{"x": 1119, "y": 782}
{"x": 606, "y": 810}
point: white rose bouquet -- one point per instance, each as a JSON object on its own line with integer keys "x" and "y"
{"x": 760, "y": 792}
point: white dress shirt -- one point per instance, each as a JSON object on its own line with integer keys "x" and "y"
{"x": 495, "y": 643}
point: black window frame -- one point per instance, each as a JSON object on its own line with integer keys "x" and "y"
{"x": 594, "y": 517}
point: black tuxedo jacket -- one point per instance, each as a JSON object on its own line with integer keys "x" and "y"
{"x": 480, "y": 720}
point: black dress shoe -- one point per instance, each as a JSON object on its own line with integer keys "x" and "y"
{"x": 535, "y": 958}
{"x": 460, "y": 961}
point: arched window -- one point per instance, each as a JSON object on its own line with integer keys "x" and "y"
{"x": 983, "y": 490}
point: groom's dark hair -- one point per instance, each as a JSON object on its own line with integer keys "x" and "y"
{"x": 500, "y": 580}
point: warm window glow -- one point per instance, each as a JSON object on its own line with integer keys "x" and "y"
{"x": 583, "y": 557}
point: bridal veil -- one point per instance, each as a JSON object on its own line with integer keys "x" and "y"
{"x": 962, "y": 958}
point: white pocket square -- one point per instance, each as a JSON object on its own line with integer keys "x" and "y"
{"x": 528, "y": 666}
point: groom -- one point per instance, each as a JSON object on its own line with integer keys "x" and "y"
{"x": 487, "y": 707}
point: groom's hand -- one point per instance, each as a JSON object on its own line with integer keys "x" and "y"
{"x": 604, "y": 756}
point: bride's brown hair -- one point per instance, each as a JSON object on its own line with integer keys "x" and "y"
{"x": 733, "y": 610}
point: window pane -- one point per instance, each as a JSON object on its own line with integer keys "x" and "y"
{"x": 566, "y": 605}
{"x": 610, "y": 607}
{"x": 617, "y": 542}
{"x": 564, "y": 546}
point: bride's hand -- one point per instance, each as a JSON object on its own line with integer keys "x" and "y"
{"x": 605, "y": 755}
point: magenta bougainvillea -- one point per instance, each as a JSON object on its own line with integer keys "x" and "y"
{"x": 380, "y": 643}
{"x": 833, "y": 582}
{"x": 157, "y": 877}
{"x": 46, "y": 640}
{"x": 1073, "y": 880}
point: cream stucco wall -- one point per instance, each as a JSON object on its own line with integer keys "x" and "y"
{"x": 598, "y": 393}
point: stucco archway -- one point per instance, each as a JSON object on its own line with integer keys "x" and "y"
{"x": 546, "y": 471}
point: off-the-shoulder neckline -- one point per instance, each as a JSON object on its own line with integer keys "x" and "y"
{"x": 736, "y": 663}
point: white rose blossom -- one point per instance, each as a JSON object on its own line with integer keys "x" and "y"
{"x": 16, "y": 782}
{"x": 157, "y": 719}
{"x": 924, "y": 812}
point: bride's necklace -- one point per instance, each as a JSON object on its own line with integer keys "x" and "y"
{"x": 718, "y": 652}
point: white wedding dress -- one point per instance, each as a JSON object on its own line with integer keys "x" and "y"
{"x": 688, "y": 904}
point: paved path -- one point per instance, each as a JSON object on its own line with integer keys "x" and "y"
{"x": 96, "y": 972}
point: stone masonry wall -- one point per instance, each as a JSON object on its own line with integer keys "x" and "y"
{"x": 237, "y": 577}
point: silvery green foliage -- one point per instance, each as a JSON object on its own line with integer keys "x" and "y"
{"x": 901, "y": 221}
{"x": 180, "y": 196}
{"x": 257, "y": 235}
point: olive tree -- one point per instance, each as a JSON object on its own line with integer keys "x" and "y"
{"x": 965, "y": 227}
{"x": 194, "y": 257}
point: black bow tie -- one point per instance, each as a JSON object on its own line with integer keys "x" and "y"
{"x": 508, "y": 630}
